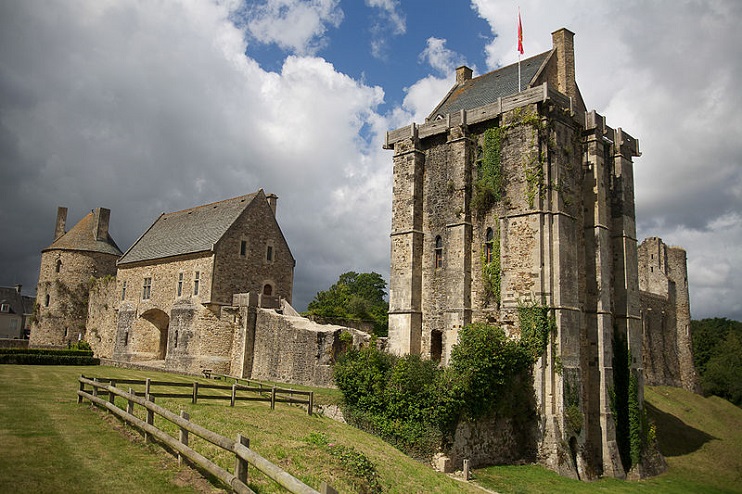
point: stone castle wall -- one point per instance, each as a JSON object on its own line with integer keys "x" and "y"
{"x": 665, "y": 301}
{"x": 102, "y": 305}
{"x": 62, "y": 294}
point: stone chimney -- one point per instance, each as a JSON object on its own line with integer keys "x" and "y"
{"x": 563, "y": 41}
{"x": 101, "y": 217}
{"x": 18, "y": 289}
{"x": 272, "y": 200}
{"x": 463, "y": 74}
{"x": 60, "y": 228}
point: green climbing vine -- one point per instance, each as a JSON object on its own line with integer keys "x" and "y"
{"x": 536, "y": 324}
{"x": 491, "y": 272}
{"x": 488, "y": 186}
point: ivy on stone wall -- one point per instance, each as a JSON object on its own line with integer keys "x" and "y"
{"x": 491, "y": 272}
{"x": 488, "y": 186}
{"x": 536, "y": 324}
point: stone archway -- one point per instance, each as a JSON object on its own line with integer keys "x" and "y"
{"x": 161, "y": 322}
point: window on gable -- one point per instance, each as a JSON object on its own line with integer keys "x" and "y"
{"x": 5, "y": 308}
{"x": 438, "y": 252}
{"x": 243, "y": 248}
{"x": 196, "y": 282}
{"x": 269, "y": 253}
{"x": 123, "y": 291}
{"x": 267, "y": 290}
{"x": 147, "y": 288}
{"x": 489, "y": 246}
{"x": 180, "y": 284}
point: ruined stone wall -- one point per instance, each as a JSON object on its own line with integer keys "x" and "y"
{"x": 295, "y": 350}
{"x": 665, "y": 307}
{"x": 62, "y": 294}
{"x": 267, "y": 259}
{"x": 100, "y": 327}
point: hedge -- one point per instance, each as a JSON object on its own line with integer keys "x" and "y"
{"x": 46, "y": 351}
{"x": 47, "y": 359}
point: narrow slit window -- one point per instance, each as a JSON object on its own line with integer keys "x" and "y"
{"x": 438, "y": 252}
{"x": 489, "y": 246}
{"x": 180, "y": 284}
{"x": 196, "y": 282}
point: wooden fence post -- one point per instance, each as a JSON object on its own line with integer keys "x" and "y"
{"x": 234, "y": 395}
{"x": 273, "y": 398}
{"x": 183, "y": 437}
{"x": 466, "y": 469}
{"x": 240, "y": 465}
{"x": 195, "y": 392}
{"x": 130, "y": 404}
{"x": 82, "y": 388}
{"x": 150, "y": 419}
{"x": 95, "y": 388}
{"x": 326, "y": 489}
{"x": 111, "y": 396}
{"x": 146, "y": 388}
{"x": 311, "y": 403}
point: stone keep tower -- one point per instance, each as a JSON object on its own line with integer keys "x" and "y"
{"x": 511, "y": 193}
{"x": 665, "y": 306}
{"x": 67, "y": 266}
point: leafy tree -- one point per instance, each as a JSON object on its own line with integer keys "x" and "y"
{"x": 355, "y": 296}
{"x": 717, "y": 355}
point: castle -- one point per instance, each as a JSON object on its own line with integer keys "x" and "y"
{"x": 205, "y": 288}
{"x": 510, "y": 195}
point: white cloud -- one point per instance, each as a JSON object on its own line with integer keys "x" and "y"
{"x": 391, "y": 21}
{"x": 440, "y": 58}
{"x": 295, "y": 25}
{"x": 152, "y": 107}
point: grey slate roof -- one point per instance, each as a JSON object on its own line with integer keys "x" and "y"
{"x": 82, "y": 237}
{"x": 19, "y": 304}
{"x": 188, "y": 231}
{"x": 485, "y": 89}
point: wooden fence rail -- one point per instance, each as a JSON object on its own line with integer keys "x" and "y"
{"x": 257, "y": 392}
{"x": 239, "y": 447}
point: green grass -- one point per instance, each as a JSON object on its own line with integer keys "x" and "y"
{"x": 49, "y": 443}
{"x": 701, "y": 439}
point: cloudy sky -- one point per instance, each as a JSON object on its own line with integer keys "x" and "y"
{"x": 147, "y": 106}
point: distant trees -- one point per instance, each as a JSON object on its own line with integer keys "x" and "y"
{"x": 717, "y": 355}
{"x": 355, "y": 296}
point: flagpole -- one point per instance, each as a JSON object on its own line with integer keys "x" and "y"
{"x": 520, "y": 47}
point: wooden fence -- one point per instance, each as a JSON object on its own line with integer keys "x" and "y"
{"x": 252, "y": 391}
{"x": 244, "y": 456}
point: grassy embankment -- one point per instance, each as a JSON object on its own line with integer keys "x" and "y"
{"x": 51, "y": 444}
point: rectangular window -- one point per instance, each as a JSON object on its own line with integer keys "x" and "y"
{"x": 269, "y": 253}
{"x": 147, "y": 288}
{"x": 5, "y": 308}
{"x": 180, "y": 284}
{"x": 243, "y": 248}
{"x": 196, "y": 282}
{"x": 46, "y": 300}
{"x": 123, "y": 291}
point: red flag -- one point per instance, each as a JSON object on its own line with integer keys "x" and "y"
{"x": 520, "y": 35}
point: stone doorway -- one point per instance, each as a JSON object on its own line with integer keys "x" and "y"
{"x": 158, "y": 342}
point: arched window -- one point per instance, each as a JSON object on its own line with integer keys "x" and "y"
{"x": 489, "y": 246}
{"x": 267, "y": 290}
{"x": 58, "y": 267}
{"x": 438, "y": 252}
{"x": 436, "y": 346}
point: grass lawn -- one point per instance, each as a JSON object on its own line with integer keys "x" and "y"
{"x": 701, "y": 439}
{"x": 52, "y": 444}
{"x": 49, "y": 443}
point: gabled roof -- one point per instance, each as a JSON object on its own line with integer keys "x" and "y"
{"x": 19, "y": 304}
{"x": 487, "y": 88}
{"x": 82, "y": 236}
{"x": 188, "y": 231}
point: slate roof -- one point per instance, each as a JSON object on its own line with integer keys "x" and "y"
{"x": 19, "y": 304}
{"x": 82, "y": 237}
{"x": 187, "y": 231}
{"x": 485, "y": 89}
